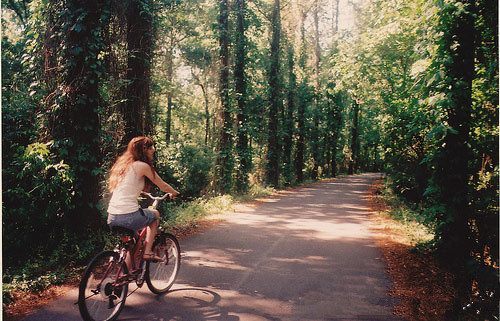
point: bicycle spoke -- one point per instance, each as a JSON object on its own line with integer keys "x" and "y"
{"x": 162, "y": 274}
{"x": 97, "y": 298}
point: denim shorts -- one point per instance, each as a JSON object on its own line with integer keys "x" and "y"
{"x": 134, "y": 221}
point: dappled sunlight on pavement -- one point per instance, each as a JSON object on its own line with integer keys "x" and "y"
{"x": 312, "y": 256}
{"x": 304, "y": 255}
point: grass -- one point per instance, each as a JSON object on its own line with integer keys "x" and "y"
{"x": 188, "y": 213}
{"x": 199, "y": 209}
{"x": 405, "y": 220}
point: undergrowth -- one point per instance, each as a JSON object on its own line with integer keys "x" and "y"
{"x": 38, "y": 274}
{"x": 411, "y": 221}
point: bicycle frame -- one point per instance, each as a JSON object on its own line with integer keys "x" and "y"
{"x": 136, "y": 259}
{"x": 108, "y": 274}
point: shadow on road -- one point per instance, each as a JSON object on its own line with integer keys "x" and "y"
{"x": 306, "y": 254}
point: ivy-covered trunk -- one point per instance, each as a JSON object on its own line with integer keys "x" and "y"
{"x": 137, "y": 111}
{"x": 169, "y": 61}
{"x": 288, "y": 121}
{"x": 207, "y": 114}
{"x": 242, "y": 147}
{"x": 353, "y": 161}
{"x": 273, "y": 151}
{"x": 75, "y": 129}
{"x": 334, "y": 121}
{"x": 301, "y": 105}
{"x": 315, "y": 130}
{"x": 456, "y": 57}
{"x": 224, "y": 166}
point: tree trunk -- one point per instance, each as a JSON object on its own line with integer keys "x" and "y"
{"x": 315, "y": 132}
{"x": 273, "y": 157}
{"x": 452, "y": 172}
{"x": 76, "y": 127}
{"x": 337, "y": 123}
{"x": 288, "y": 121}
{"x": 224, "y": 159}
{"x": 170, "y": 74}
{"x": 336, "y": 18}
{"x": 140, "y": 47}
{"x": 207, "y": 114}
{"x": 50, "y": 45}
{"x": 242, "y": 148}
{"x": 353, "y": 162}
{"x": 334, "y": 121}
{"x": 301, "y": 106}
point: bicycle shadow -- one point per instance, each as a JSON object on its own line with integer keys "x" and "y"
{"x": 198, "y": 304}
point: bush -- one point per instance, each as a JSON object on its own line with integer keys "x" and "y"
{"x": 37, "y": 192}
{"x": 187, "y": 167}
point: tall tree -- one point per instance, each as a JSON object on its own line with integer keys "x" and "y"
{"x": 242, "y": 147}
{"x": 315, "y": 130}
{"x": 273, "y": 151}
{"x": 75, "y": 128}
{"x": 169, "y": 62}
{"x": 456, "y": 57}
{"x": 137, "y": 112}
{"x": 353, "y": 160}
{"x": 335, "y": 12}
{"x": 288, "y": 120}
{"x": 301, "y": 102}
{"x": 334, "y": 122}
{"x": 224, "y": 167}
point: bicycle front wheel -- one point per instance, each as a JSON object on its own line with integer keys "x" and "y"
{"x": 161, "y": 275}
{"x": 100, "y": 297}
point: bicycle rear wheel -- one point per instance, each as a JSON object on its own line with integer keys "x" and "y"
{"x": 160, "y": 276}
{"x": 99, "y": 299}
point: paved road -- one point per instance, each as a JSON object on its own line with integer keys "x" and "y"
{"x": 306, "y": 254}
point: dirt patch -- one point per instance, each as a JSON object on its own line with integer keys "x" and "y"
{"x": 27, "y": 302}
{"x": 192, "y": 228}
{"x": 423, "y": 288}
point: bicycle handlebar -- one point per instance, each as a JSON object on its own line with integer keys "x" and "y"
{"x": 157, "y": 199}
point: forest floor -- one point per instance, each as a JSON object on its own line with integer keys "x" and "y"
{"x": 423, "y": 288}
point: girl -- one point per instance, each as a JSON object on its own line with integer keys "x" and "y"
{"x": 132, "y": 172}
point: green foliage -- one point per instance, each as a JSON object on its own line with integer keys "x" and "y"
{"x": 417, "y": 223}
{"x": 411, "y": 66}
{"x": 188, "y": 168}
{"x": 30, "y": 283}
{"x": 41, "y": 193}
{"x": 190, "y": 212}
{"x": 65, "y": 78}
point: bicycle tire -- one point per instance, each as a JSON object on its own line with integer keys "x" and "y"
{"x": 96, "y": 294}
{"x": 160, "y": 276}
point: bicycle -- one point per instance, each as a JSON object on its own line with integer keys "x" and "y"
{"x": 103, "y": 288}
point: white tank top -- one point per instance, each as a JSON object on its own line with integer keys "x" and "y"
{"x": 124, "y": 198}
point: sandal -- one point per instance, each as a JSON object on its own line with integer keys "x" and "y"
{"x": 151, "y": 257}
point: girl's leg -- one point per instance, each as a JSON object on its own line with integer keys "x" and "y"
{"x": 151, "y": 233}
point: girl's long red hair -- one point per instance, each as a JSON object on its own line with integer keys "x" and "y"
{"x": 135, "y": 151}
